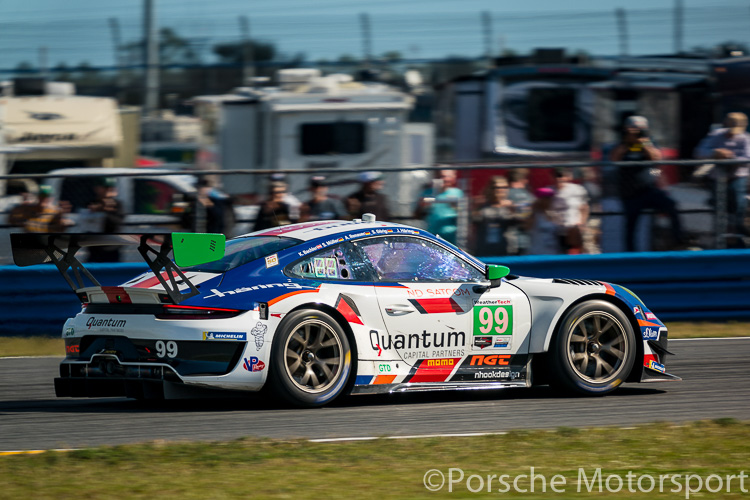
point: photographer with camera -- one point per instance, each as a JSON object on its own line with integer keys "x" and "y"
{"x": 639, "y": 185}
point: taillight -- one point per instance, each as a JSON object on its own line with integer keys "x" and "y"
{"x": 196, "y": 312}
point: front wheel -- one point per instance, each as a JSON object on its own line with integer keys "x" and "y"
{"x": 311, "y": 359}
{"x": 594, "y": 349}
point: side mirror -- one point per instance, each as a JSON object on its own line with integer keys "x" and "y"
{"x": 191, "y": 249}
{"x": 496, "y": 272}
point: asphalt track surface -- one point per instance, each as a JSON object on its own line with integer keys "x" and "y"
{"x": 715, "y": 385}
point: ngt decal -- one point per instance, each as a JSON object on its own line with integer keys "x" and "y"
{"x": 499, "y": 367}
{"x": 105, "y": 323}
{"x": 493, "y": 317}
{"x": 420, "y": 345}
{"x": 253, "y": 364}
{"x": 224, "y": 336}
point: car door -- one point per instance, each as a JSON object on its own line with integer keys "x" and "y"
{"x": 424, "y": 293}
{"x": 441, "y": 314}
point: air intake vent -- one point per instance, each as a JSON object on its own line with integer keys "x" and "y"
{"x": 576, "y": 282}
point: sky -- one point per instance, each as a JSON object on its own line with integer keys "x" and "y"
{"x": 78, "y": 30}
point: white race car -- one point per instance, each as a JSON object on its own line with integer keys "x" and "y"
{"x": 321, "y": 309}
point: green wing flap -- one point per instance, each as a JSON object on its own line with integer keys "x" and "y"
{"x": 60, "y": 249}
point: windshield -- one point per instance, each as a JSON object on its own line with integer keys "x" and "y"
{"x": 243, "y": 250}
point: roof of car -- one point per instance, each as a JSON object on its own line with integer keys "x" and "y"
{"x": 307, "y": 231}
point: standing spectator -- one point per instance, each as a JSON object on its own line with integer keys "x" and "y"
{"x": 731, "y": 142}
{"x": 320, "y": 206}
{"x": 46, "y": 216}
{"x": 24, "y": 210}
{"x": 213, "y": 209}
{"x": 639, "y": 189}
{"x": 438, "y": 205}
{"x": 522, "y": 200}
{"x": 292, "y": 201}
{"x": 369, "y": 198}
{"x": 495, "y": 219}
{"x": 571, "y": 204}
{"x": 274, "y": 211}
{"x": 593, "y": 187}
{"x": 106, "y": 203}
{"x": 544, "y": 227}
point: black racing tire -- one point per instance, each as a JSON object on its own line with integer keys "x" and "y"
{"x": 594, "y": 349}
{"x": 311, "y": 359}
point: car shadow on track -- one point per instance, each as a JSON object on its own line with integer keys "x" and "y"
{"x": 256, "y": 402}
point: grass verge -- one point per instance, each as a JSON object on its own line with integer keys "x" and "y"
{"x": 47, "y": 346}
{"x": 389, "y": 468}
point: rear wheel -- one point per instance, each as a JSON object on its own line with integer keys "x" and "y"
{"x": 311, "y": 358}
{"x": 594, "y": 349}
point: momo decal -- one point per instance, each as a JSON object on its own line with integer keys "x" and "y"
{"x": 217, "y": 293}
{"x": 432, "y": 370}
{"x": 105, "y": 323}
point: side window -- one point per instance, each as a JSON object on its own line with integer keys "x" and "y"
{"x": 403, "y": 258}
{"x": 340, "y": 262}
{"x": 152, "y": 196}
{"x": 335, "y": 138}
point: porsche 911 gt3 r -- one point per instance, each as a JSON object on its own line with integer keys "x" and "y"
{"x": 316, "y": 310}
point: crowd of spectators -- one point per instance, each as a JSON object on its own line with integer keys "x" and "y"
{"x": 507, "y": 217}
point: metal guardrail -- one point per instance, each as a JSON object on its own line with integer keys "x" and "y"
{"x": 718, "y": 229}
{"x": 462, "y": 166}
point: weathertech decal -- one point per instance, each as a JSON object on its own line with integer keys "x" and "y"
{"x": 432, "y": 306}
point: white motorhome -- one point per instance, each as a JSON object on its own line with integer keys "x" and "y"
{"x": 315, "y": 122}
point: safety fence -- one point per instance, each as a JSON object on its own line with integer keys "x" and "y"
{"x": 708, "y": 285}
{"x": 167, "y": 200}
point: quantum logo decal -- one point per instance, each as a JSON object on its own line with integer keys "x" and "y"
{"x": 253, "y": 364}
{"x": 105, "y": 323}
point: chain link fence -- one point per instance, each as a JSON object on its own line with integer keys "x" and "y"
{"x": 708, "y": 210}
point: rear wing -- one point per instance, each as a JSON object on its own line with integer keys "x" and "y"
{"x": 60, "y": 249}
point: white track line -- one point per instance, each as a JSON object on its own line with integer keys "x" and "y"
{"x": 421, "y": 436}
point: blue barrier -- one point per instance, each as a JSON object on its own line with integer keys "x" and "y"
{"x": 36, "y": 300}
{"x": 704, "y": 285}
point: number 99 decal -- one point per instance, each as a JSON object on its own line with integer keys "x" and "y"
{"x": 166, "y": 350}
{"x": 493, "y": 320}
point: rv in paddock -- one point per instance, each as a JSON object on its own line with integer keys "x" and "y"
{"x": 313, "y": 122}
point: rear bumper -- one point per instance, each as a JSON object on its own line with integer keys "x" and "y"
{"x": 111, "y": 387}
